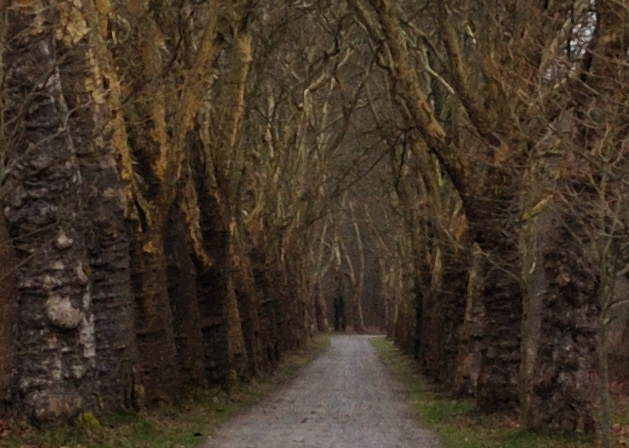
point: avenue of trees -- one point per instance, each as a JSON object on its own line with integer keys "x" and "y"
{"x": 188, "y": 185}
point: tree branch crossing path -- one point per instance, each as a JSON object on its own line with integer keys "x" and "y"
{"x": 347, "y": 398}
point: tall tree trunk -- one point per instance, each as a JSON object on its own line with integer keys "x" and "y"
{"x": 236, "y": 344}
{"x": 55, "y": 358}
{"x": 488, "y": 208}
{"x": 248, "y": 298}
{"x": 92, "y": 127}
{"x": 358, "y": 290}
{"x": 387, "y": 297}
{"x": 560, "y": 312}
{"x": 8, "y": 293}
{"x": 153, "y": 316}
{"x": 492, "y": 223}
{"x": 183, "y": 300}
{"x": 559, "y": 327}
{"x": 268, "y": 311}
{"x": 218, "y": 304}
{"x": 469, "y": 355}
{"x": 8, "y": 313}
{"x": 443, "y": 323}
{"x": 248, "y": 301}
{"x": 455, "y": 264}
{"x": 321, "y": 312}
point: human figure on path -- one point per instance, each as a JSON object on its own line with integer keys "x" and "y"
{"x": 339, "y": 313}
{"x": 340, "y": 319}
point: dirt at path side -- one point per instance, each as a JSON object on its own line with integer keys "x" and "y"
{"x": 345, "y": 399}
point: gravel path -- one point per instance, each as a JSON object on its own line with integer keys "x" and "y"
{"x": 345, "y": 399}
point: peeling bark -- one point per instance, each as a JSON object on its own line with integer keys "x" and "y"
{"x": 85, "y": 65}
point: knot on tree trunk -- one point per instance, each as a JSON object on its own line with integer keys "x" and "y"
{"x": 61, "y": 312}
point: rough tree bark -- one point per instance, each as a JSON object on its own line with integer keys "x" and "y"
{"x": 492, "y": 224}
{"x": 182, "y": 281}
{"x": 559, "y": 326}
{"x": 249, "y": 306}
{"x": 153, "y": 316}
{"x": 443, "y": 322}
{"x": 86, "y": 66}
{"x": 469, "y": 355}
{"x": 268, "y": 307}
{"x": 8, "y": 314}
{"x": 55, "y": 359}
{"x": 212, "y": 281}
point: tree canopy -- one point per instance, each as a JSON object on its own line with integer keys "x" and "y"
{"x": 187, "y": 186}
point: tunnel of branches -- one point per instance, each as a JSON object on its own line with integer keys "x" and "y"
{"x": 188, "y": 188}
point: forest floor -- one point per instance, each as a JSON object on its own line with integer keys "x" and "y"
{"x": 346, "y": 398}
{"x": 458, "y": 425}
{"x": 344, "y": 391}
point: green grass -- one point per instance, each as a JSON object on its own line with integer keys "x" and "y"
{"x": 183, "y": 426}
{"x": 455, "y": 421}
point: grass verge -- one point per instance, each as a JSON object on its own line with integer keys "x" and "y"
{"x": 455, "y": 420}
{"x": 182, "y": 426}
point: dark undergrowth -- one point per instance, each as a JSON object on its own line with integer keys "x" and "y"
{"x": 167, "y": 426}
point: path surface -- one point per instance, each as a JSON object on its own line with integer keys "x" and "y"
{"x": 345, "y": 399}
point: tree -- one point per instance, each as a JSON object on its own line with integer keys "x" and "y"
{"x": 44, "y": 206}
{"x": 482, "y": 137}
{"x": 147, "y": 174}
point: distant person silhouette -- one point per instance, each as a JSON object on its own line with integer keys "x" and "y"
{"x": 340, "y": 322}
{"x": 340, "y": 319}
